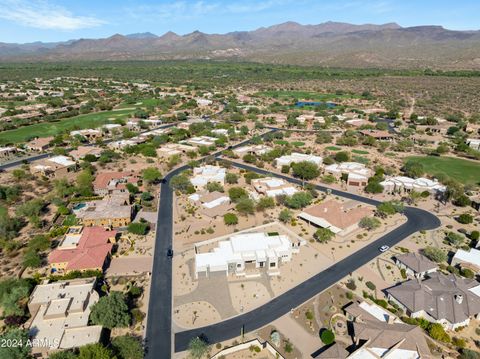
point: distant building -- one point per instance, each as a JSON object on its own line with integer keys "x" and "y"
{"x": 357, "y": 174}
{"x": 402, "y": 184}
{"x": 415, "y": 264}
{"x": 208, "y": 173}
{"x": 467, "y": 259}
{"x": 272, "y": 187}
{"x": 82, "y": 248}
{"x": 7, "y": 152}
{"x": 112, "y": 212}
{"x": 446, "y": 299}
{"x": 88, "y": 134}
{"x": 59, "y": 316}
{"x": 247, "y": 251}
{"x": 473, "y": 143}
{"x": 378, "y": 135}
{"x": 335, "y": 216}
{"x": 212, "y": 204}
{"x": 200, "y": 141}
{"x": 258, "y": 150}
{"x": 172, "y": 149}
{"x": 106, "y": 183}
{"x": 39, "y": 144}
{"x": 82, "y": 151}
{"x": 296, "y": 157}
{"x": 53, "y": 167}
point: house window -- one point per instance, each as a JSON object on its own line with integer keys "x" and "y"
{"x": 273, "y": 264}
{"x": 239, "y": 265}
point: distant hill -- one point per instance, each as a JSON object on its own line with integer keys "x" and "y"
{"x": 331, "y": 44}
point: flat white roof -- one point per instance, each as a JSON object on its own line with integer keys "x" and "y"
{"x": 472, "y": 256}
{"x": 61, "y": 160}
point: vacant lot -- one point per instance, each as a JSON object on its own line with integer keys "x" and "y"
{"x": 46, "y": 129}
{"x": 464, "y": 171}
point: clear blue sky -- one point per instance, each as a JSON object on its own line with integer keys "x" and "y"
{"x": 55, "y": 20}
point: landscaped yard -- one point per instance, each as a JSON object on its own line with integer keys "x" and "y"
{"x": 464, "y": 171}
{"x": 298, "y": 143}
{"x": 46, "y": 129}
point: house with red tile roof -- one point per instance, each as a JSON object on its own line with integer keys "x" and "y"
{"x": 82, "y": 248}
{"x": 113, "y": 182}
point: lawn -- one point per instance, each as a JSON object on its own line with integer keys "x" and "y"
{"x": 360, "y": 152}
{"x": 304, "y": 95}
{"x": 464, "y": 171}
{"x": 46, "y": 129}
{"x": 298, "y": 143}
{"x": 281, "y": 142}
{"x": 333, "y": 148}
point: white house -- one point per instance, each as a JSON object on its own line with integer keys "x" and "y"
{"x": 272, "y": 187}
{"x": 201, "y": 141}
{"x": 467, "y": 259}
{"x": 473, "y": 143}
{"x": 208, "y": 173}
{"x": 296, "y": 157}
{"x": 247, "y": 251}
{"x": 407, "y": 184}
{"x": 252, "y": 149}
{"x": 357, "y": 174}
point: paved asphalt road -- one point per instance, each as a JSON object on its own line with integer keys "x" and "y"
{"x": 158, "y": 337}
{"x": 417, "y": 219}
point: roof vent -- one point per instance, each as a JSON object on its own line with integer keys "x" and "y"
{"x": 459, "y": 298}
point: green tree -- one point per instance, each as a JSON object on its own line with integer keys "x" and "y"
{"x": 305, "y": 170}
{"x": 249, "y": 158}
{"x": 230, "y": 219}
{"x": 14, "y": 335}
{"x": 324, "y": 235}
{"x": 342, "y": 156}
{"x": 245, "y": 206}
{"x": 373, "y": 187}
{"x": 455, "y": 239}
{"x": 127, "y": 347}
{"x": 64, "y": 354}
{"x": 465, "y": 218}
{"x": 95, "y": 351}
{"x": 111, "y": 311}
{"x": 231, "y": 178}
{"x": 85, "y": 183}
{"x": 265, "y": 202}
{"x": 285, "y": 215}
{"x": 151, "y": 175}
{"x": 237, "y": 193}
{"x": 369, "y": 223}
{"x": 181, "y": 183}
{"x": 140, "y": 228}
{"x": 197, "y": 348}
{"x": 214, "y": 187}
{"x": 32, "y": 259}
{"x": 327, "y": 336}
{"x": 435, "y": 254}
{"x": 413, "y": 169}
{"x": 436, "y": 331}
{"x": 298, "y": 200}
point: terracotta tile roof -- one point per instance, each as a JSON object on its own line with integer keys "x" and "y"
{"x": 335, "y": 214}
{"x": 104, "y": 179}
{"x": 91, "y": 251}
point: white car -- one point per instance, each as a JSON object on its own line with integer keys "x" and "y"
{"x": 383, "y": 248}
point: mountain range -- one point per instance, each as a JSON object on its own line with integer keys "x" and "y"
{"x": 330, "y": 44}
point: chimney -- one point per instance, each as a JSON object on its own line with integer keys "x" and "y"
{"x": 459, "y": 298}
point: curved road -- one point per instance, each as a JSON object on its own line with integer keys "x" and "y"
{"x": 158, "y": 339}
{"x": 417, "y": 219}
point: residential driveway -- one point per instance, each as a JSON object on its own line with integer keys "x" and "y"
{"x": 130, "y": 266}
{"x": 306, "y": 342}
